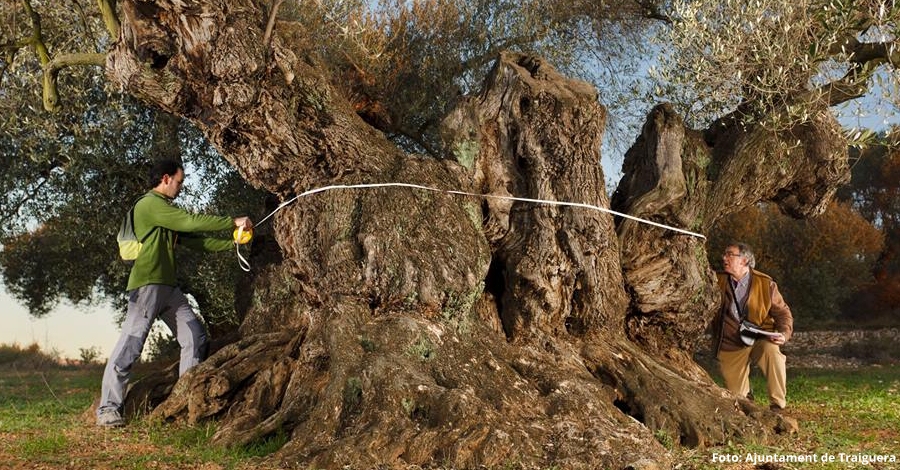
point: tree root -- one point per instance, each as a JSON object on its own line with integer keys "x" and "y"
{"x": 685, "y": 409}
{"x": 206, "y": 389}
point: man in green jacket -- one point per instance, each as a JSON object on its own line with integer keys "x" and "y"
{"x": 152, "y": 291}
{"x": 748, "y": 294}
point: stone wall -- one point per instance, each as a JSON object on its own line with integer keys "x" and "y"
{"x": 828, "y": 349}
{"x": 855, "y": 348}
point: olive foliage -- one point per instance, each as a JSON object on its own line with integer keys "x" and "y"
{"x": 403, "y": 64}
{"x": 767, "y": 55}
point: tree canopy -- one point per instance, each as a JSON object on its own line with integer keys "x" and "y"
{"x": 767, "y": 55}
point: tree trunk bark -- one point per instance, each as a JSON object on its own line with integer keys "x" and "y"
{"x": 681, "y": 177}
{"x": 396, "y": 326}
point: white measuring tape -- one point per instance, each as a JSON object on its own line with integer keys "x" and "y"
{"x": 242, "y": 238}
{"x": 245, "y": 265}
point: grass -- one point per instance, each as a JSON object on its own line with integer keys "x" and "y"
{"x": 842, "y": 413}
{"x": 44, "y": 423}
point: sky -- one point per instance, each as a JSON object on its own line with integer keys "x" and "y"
{"x": 65, "y": 330}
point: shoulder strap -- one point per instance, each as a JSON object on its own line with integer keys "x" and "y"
{"x": 131, "y": 214}
{"x": 742, "y": 313}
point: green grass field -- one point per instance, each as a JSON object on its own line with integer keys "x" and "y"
{"x": 44, "y": 424}
{"x": 847, "y": 415}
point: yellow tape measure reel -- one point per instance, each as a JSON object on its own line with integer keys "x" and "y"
{"x": 242, "y": 237}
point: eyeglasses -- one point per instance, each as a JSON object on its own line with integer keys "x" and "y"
{"x": 730, "y": 255}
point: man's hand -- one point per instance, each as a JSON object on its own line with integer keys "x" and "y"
{"x": 777, "y": 339}
{"x": 243, "y": 222}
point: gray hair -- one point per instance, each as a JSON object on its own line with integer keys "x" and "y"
{"x": 747, "y": 252}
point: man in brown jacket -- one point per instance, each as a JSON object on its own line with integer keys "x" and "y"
{"x": 748, "y": 294}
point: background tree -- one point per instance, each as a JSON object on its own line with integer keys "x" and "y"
{"x": 74, "y": 173}
{"x": 79, "y": 198}
{"x": 437, "y": 329}
{"x": 874, "y": 191}
{"x": 819, "y": 263}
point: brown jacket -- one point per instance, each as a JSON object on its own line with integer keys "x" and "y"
{"x": 765, "y": 307}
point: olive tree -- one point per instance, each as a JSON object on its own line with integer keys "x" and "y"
{"x": 391, "y": 326}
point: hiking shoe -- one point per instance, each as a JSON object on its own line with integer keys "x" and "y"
{"x": 110, "y": 419}
{"x": 776, "y": 409}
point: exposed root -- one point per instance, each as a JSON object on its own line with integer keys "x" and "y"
{"x": 688, "y": 409}
{"x": 206, "y": 389}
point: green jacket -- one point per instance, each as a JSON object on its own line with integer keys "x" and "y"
{"x": 167, "y": 225}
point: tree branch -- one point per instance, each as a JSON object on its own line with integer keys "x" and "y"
{"x": 110, "y": 19}
{"x": 84, "y": 22}
{"x": 851, "y": 86}
{"x": 865, "y": 58}
{"x": 53, "y": 66}
{"x": 71, "y": 60}
{"x": 270, "y": 26}
{"x": 37, "y": 38}
{"x": 876, "y": 53}
{"x": 652, "y": 9}
{"x": 51, "y": 95}
{"x": 51, "y": 72}
{"x": 13, "y": 211}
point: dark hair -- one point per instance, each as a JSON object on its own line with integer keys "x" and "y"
{"x": 161, "y": 168}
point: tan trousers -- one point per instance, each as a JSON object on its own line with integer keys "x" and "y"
{"x": 735, "y": 368}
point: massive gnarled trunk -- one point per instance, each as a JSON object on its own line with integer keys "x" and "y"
{"x": 691, "y": 179}
{"x": 397, "y": 326}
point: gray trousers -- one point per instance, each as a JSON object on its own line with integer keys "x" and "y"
{"x": 145, "y": 304}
